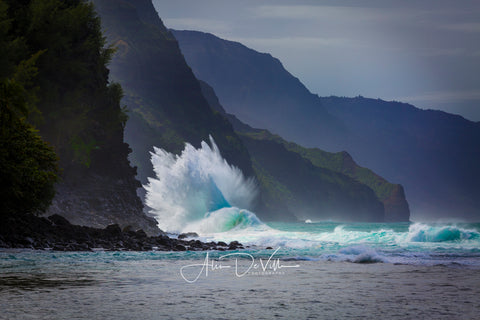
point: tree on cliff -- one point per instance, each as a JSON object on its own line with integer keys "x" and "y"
{"x": 79, "y": 112}
{"x": 28, "y": 165}
{"x": 74, "y": 107}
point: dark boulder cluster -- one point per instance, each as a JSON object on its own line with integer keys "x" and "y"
{"x": 57, "y": 233}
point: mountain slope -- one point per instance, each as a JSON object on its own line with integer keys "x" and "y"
{"x": 256, "y": 88}
{"x": 289, "y": 181}
{"x": 392, "y": 196}
{"x": 312, "y": 183}
{"x": 166, "y": 105}
{"x": 169, "y": 108}
{"x": 433, "y": 154}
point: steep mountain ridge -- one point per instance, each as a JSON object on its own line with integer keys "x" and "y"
{"x": 244, "y": 81}
{"x": 168, "y": 108}
{"x": 433, "y": 154}
{"x": 164, "y": 98}
{"x": 312, "y": 183}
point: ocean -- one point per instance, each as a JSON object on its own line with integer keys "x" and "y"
{"x": 321, "y": 270}
{"x": 304, "y": 270}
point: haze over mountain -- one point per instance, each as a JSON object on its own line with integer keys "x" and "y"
{"x": 168, "y": 108}
{"x": 433, "y": 154}
{"x": 312, "y": 183}
{"x": 427, "y": 48}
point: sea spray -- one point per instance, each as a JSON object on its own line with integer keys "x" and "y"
{"x": 191, "y": 186}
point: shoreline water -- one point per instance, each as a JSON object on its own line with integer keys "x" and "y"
{"x": 315, "y": 270}
{"x": 148, "y": 285}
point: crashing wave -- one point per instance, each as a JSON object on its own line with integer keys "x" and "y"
{"x": 191, "y": 187}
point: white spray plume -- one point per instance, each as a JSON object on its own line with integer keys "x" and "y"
{"x": 190, "y": 185}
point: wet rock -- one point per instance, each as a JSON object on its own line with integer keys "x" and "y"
{"x": 180, "y": 247}
{"x": 56, "y": 233}
{"x": 113, "y": 229}
{"x": 235, "y": 245}
{"x": 187, "y": 235}
{"x": 58, "y": 247}
{"x": 140, "y": 234}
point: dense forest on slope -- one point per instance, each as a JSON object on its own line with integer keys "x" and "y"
{"x": 76, "y": 109}
{"x": 28, "y": 165}
{"x": 433, "y": 154}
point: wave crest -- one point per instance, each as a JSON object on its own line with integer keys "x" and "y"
{"x": 424, "y": 233}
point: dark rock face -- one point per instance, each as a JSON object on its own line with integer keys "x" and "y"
{"x": 395, "y": 205}
{"x": 100, "y": 200}
{"x": 81, "y": 114}
{"x": 56, "y": 233}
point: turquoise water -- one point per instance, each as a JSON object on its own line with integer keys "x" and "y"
{"x": 401, "y": 243}
{"x": 198, "y": 191}
{"x": 328, "y": 271}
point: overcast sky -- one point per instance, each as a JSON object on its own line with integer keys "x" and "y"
{"x": 425, "y": 52}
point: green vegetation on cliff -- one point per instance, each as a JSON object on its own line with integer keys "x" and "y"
{"x": 28, "y": 165}
{"x": 391, "y": 195}
{"x": 74, "y": 107}
{"x": 291, "y": 183}
{"x": 78, "y": 110}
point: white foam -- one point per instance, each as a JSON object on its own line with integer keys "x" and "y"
{"x": 189, "y": 186}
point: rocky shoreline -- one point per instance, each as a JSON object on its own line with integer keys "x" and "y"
{"x": 57, "y": 233}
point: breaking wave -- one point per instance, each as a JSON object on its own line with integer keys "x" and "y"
{"x": 199, "y": 191}
{"x": 424, "y": 233}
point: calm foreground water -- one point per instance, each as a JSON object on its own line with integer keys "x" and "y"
{"x": 317, "y": 270}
